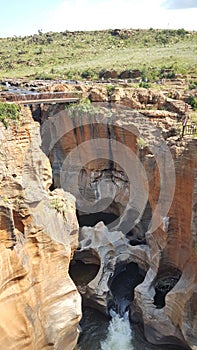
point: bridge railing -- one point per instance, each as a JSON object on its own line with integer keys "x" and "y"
{"x": 190, "y": 129}
{"x": 11, "y": 97}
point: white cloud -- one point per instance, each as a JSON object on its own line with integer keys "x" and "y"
{"x": 180, "y": 4}
{"x": 105, "y": 14}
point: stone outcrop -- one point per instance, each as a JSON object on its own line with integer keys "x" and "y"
{"x": 107, "y": 74}
{"x": 164, "y": 99}
{"x": 98, "y": 95}
{"x": 39, "y": 305}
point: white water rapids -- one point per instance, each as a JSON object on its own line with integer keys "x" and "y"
{"x": 119, "y": 333}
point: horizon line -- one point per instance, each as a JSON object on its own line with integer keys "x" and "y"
{"x": 40, "y": 31}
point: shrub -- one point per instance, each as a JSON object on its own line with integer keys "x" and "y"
{"x": 110, "y": 89}
{"x": 148, "y": 74}
{"x": 192, "y": 101}
{"x": 167, "y": 72}
{"x": 192, "y": 84}
{"x": 83, "y": 107}
{"x": 162, "y": 39}
{"x": 9, "y": 111}
{"x": 182, "y": 32}
{"x": 87, "y": 74}
{"x": 145, "y": 85}
{"x": 58, "y": 205}
{"x": 102, "y": 73}
{"x": 141, "y": 143}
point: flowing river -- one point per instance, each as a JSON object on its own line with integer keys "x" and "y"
{"x": 119, "y": 333}
{"x": 98, "y": 333}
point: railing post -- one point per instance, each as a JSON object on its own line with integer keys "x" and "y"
{"x": 185, "y": 120}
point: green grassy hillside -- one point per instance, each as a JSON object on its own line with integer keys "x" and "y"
{"x": 76, "y": 55}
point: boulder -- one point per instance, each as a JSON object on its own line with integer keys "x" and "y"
{"x": 98, "y": 94}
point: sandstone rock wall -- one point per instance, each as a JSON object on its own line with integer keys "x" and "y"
{"x": 171, "y": 251}
{"x": 39, "y": 305}
{"x": 170, "y": 247}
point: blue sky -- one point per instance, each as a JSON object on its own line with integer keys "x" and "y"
{"x": 22, "y": 17}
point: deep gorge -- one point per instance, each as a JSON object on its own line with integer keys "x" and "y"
{"x": 103, "y": 174}
{"x": 105, "y": 231}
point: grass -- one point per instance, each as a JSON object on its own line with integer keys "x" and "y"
{"x": 9, "y": 112}
{"x": 83, "y": 55}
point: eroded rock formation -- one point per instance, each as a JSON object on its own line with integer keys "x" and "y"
{"x": 172, "y": 255}
{"x": 107, "y": 250}
{"x": 116, "y": 163}
{"x": 39, "y": 305}
{"x": 165, "y": 234}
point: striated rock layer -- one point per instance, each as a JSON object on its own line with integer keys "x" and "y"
{"x": 151, "y": 186}
{"x": 173, "y": 254}
{"x": 39, "y": 305}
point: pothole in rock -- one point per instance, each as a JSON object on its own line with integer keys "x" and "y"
{"x": 136, "y": 236}
{"x": 93, "y": 218}
{"x": 82, "y": 273}
{"x": 122, "y": 285}
{"x": 163, "y": 284}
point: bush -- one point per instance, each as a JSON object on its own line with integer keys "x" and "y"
{"x": 102, "y": 73}
{"x": 149, "y": 74}
{"x": 192, "y": 85}
{"x": 83, "y": 107}
{"x": 145, "y": 85}
{"x": 162, "y": 39}
{"x": 182, "y": 32}
{"x": 167, "y": 72}
{"x": 87, "y": 73}
{"x": 58, "y": 205}
{"x": 9, "y": 111}
{"x": 192, "y": 101}
{"x": 141, "y": 143}
{"x": 110, "y": 89}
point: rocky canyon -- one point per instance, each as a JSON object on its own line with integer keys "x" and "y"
{"x": 98, "y": 206}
